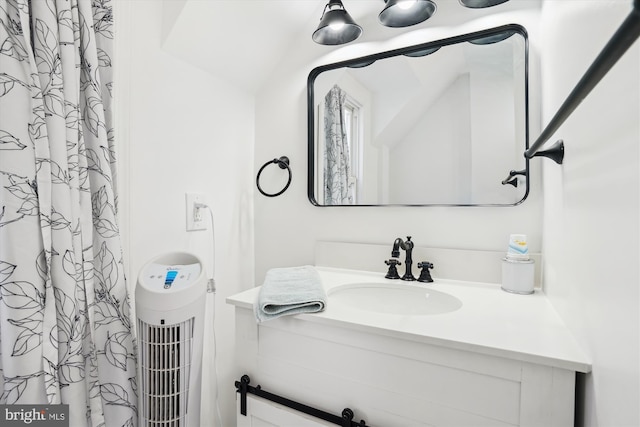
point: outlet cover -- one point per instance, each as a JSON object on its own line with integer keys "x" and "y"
{"x": 195, "y": 222}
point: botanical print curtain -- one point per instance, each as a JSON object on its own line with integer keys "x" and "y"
{"x": 336, "y": 150}
{"x": 65, "y": 331}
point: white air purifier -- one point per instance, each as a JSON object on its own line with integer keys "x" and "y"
{"x": 170, "y": 308}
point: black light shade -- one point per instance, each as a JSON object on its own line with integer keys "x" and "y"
{"x": 336, "y": 26}
{"x": 404, "y": 13}
{"x": 479, "y": 4}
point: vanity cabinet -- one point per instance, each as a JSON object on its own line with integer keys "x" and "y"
{"x": 498, "y": 360}
{"x": 395, "y": 381}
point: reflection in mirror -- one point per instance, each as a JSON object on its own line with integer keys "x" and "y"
{"x": 423, "y": 52}
{"x": 440, "y": 123}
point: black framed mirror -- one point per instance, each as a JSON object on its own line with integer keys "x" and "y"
{"x": 439, "y": 123}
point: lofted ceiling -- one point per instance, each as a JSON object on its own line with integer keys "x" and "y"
{"x": 242, "y": 41}
{"x": 238, "y": 40}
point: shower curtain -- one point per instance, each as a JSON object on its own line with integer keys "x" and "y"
{"x": 337, "y": 190}
{"x": 65, "y": 331}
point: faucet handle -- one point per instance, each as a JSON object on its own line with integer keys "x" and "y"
{"x": 393, "y": 271}
{"x": 425, "y": 275}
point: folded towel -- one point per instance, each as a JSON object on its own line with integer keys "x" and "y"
{"x": 288, "y": 291}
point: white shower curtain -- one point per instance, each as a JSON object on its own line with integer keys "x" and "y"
{"x": 65, "y": 331}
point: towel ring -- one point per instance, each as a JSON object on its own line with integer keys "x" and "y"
{"x": 283, "y": 162}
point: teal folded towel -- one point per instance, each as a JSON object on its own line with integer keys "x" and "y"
{"x": 290, "y": 290}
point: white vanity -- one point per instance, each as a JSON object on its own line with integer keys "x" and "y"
{"x": 497, "y": 359}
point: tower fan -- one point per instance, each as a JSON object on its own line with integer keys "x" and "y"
{"x": 170, "y": 308}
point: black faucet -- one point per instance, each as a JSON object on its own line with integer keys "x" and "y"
{"x": 407, "y": 246}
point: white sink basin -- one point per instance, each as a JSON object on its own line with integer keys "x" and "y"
{"x": 393, "y": 298}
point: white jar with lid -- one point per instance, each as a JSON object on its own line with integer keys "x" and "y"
{"x": 517, "y": 268}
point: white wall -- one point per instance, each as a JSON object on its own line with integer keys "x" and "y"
{"x": 183, "y": 129}
{"x": 446, "y": 154}
{"x": 496, "y": 122}
{"x": 591, "y": 213}
{"x": 287, "y": 227}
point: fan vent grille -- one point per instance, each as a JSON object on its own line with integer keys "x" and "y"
{"x": 165, "y": 358}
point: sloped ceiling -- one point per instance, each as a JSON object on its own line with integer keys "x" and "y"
{"x": 239, "y": 40}
{"x": 242, "y": 41}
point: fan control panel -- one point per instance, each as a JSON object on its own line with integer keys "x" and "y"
{"x": 171, "y": 276}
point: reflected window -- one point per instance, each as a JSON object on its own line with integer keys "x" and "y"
{"x": 351, "y": 111}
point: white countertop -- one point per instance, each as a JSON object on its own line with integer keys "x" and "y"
{"x": 490, "y": 321}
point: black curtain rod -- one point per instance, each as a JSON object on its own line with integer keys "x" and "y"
{"x": 623, "y": 38}
{"x": 243, "y": 387}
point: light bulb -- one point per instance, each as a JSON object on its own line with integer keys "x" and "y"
{"x": 336, "y": 26}
{"x": 406, "y": 4}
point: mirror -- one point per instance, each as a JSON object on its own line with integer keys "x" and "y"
{"x": 440, "y": 123}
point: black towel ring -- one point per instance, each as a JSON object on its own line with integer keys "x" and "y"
{"x": 283, "y": 162}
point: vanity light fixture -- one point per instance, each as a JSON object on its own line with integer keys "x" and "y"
{"x": 404, "y": 13}
{"x": 336, "y": 25}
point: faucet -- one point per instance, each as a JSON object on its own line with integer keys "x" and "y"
{"x": 407, "y": 246}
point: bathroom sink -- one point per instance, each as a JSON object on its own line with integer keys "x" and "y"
{"x": 393, "y": 298}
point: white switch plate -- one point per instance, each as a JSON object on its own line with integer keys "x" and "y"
{"x": 195, "y": 223}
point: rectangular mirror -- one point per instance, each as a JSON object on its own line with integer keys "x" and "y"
{"x": 441, "y": 123}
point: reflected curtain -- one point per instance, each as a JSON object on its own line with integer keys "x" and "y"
{"x": 337, "y": 165}
{"x": 65, "y": 331}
